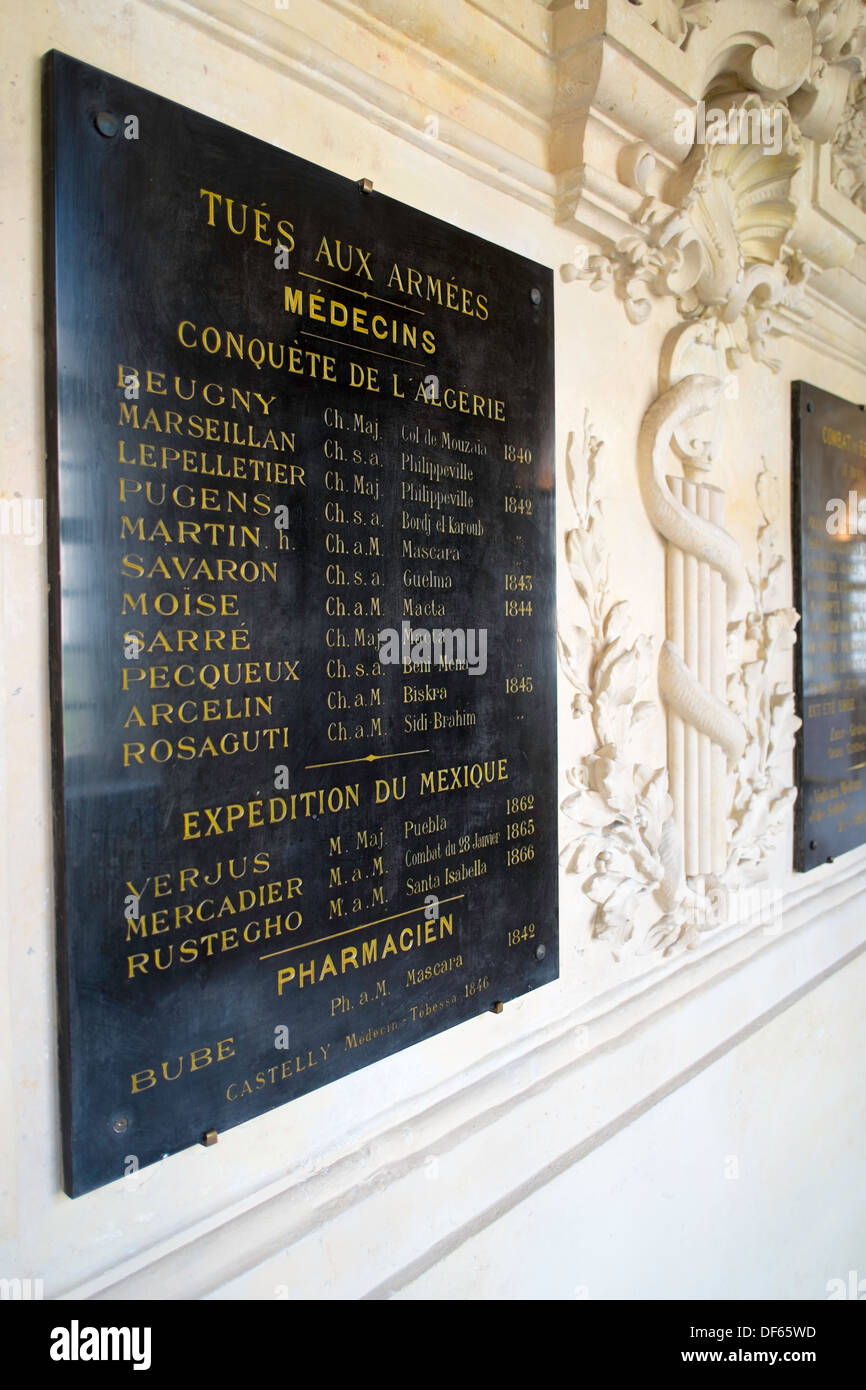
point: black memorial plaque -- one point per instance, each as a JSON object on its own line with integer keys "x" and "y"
{"x": 829, "y": 545}
{"x": 303, "y": 622}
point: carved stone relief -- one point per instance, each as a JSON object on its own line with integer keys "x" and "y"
{"x": 625, "y": 841}
{"x": 658, "y": 848}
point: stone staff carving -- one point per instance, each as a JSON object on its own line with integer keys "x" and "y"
{"x": 704, "y": 572}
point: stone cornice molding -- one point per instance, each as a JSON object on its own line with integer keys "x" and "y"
{"x": 622, "y": 1055}
{"x": 560, "y": 107}
{"x": 483, "y": 130}
{"x": 798, "y": 54}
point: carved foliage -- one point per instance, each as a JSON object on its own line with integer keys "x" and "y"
{"x": 623, "y": 845}
{"x": 677, "y": 18}
{"x": 837, "y": 29}
{"x": 621, "y": 807}
{"x": 762, "y": 795}
{"x": 849, "y": 149}
{"x": 722, "y": 249}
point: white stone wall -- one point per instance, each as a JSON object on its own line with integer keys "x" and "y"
{"x": 583, "y": 1143}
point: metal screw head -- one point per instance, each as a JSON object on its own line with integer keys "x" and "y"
{"x": 120, "y": 1124}
{"x": 540, "y": 952}
{"x": 813, "y": 844}
{"x": 497, "y": 1007}
{"x": 106, "y": 124}
{"x": 535, "y": 296}
{"x": 365, "y": 185}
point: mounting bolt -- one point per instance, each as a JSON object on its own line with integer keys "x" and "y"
{"x": 120, "y": 1124}
{"x": 813, "y": 844}
{"x": 106, "y": 124}
{"x": 365, "y": 185}
{"x": 540, "y": 952}
{"x": 209, "y": 1137}
{"x": 535, "y": 296}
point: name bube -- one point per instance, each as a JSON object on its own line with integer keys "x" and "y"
{"x": 200, "y": 1058}
{"x": 197, "y": 1060}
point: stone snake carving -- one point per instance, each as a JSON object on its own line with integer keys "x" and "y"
{"x": 694, "y": 535}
